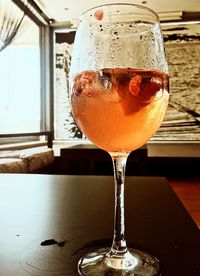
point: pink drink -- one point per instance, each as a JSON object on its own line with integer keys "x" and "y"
{"x": 119, "y": 109}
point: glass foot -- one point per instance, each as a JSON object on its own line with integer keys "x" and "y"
{"x": 134, "y": 262}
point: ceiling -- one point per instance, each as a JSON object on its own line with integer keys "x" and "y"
{"x": 63, "y": 10}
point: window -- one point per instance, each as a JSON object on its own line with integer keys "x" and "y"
{"x": 25, "y": 68}
{"x": 20, "y": 85}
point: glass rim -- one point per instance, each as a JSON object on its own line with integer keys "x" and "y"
{"x": 121, "y": 4}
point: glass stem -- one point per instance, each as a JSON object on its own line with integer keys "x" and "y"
{"x": 119, "y": 242}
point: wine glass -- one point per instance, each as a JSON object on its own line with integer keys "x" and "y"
{"x": 119, "y": 96}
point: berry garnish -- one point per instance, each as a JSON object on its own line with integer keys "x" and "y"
{"x": 134, "y": 85}
{"x": 150, "y": 88}
{"x": 98, "y": 15}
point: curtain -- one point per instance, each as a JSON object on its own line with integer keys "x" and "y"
{"x": 11, "y": 18}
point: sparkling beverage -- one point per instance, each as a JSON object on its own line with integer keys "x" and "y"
{"x": 119, "y": 109}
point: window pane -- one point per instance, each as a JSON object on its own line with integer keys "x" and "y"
{"x": 20, "y": 82}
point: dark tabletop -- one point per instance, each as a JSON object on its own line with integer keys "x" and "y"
{"x": 46, "y": 219}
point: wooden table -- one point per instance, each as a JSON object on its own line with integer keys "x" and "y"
{"x": 45, "y": 219}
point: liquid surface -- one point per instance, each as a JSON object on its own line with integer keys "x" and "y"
{"x": 119, "y": 109}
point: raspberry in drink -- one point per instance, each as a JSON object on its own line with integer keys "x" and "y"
{"x": 119, "y": 109}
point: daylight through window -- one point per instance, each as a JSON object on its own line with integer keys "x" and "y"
{"x": 20, "y": 91}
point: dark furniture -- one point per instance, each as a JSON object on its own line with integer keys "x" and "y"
{"x": 87, "y": 159}
{"x": 45, "y": 219}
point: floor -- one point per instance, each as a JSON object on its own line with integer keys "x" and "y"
{"x": 188, "y": 192}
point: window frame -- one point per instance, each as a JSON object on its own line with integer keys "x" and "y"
{"x": 46, "y": 91}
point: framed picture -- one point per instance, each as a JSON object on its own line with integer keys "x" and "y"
{"x": 182, "y": 121}
{"x": 182, "y": 45}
